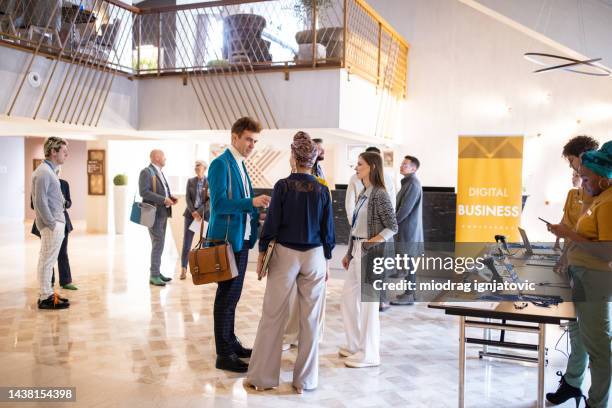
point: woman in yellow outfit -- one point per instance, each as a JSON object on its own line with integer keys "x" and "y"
{"x": 589, "y": 257}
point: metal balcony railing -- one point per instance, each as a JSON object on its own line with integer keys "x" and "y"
{"x": 211, "y": 37}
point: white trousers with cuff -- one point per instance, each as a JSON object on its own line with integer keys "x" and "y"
{"x": 361, "y": 319}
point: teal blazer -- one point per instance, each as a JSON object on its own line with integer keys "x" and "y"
{"x": 236, "y": 208}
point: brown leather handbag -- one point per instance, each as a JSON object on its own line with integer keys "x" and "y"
{"x": 212, "y": 260}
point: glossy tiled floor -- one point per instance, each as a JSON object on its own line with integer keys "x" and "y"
{"x": 126, "y": 344}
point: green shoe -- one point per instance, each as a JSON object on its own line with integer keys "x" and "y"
{"x": 157, "y": 281}
{"x": 70, "y": 286}
{"x": 165, "y": 278}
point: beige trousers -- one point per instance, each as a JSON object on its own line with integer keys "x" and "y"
{"x": 289, "y": 268}
{"x": 293, "y": 324}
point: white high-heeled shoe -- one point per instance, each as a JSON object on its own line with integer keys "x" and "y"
{"x": 358, "y": 360}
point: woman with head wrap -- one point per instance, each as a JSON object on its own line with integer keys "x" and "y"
{"x": 292, "y": 330}
{"x": 589, "y": 258}
{"x": 300, "y": 220}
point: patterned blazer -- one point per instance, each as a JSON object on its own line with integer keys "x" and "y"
{"x": 191, "y": 191}
{"x": 380, "y": 216}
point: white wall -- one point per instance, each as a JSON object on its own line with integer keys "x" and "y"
{"x": 465, "y": 70}
{"x": 560, "y": 21}
{"x": 368, "y": 111}
{"x": 120, "y": 110}
{"x": 12, "y": 178}
{"x": 310, "y": 99}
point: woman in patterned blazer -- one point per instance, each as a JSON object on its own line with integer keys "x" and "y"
{"x": 373, "y": 223}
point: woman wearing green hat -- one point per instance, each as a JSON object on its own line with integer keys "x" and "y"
{"x": 589, "y": 258}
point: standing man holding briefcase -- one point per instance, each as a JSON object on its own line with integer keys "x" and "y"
{"x": 234, "y": 218}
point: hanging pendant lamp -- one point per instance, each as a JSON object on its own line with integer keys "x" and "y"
{"x": 552, "y": 62}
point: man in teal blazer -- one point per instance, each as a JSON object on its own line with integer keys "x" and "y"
{"x": 233, "y": 214}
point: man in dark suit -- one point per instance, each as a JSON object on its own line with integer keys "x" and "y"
{"x": 197, "y": 208}
{"x": 234, "y": 217}
{"x": 409, "y": 214}
{"x": 154, "y": 190}
{"x": 65, "y": 276}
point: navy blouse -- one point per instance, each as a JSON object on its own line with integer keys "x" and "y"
{"x": 300, "y": 215}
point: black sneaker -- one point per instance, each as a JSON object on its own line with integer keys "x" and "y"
{"x": 53, "y": 302}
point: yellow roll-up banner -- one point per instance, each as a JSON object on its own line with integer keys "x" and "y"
{"x": 489, "y": 188}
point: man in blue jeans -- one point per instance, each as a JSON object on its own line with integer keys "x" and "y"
{"x": 233, "y": 214}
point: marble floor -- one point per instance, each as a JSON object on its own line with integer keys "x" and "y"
{"x": 124, "y": 343}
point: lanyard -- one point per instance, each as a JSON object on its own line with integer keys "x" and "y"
{"x": 362, "y": 199}
{"x": 199, "y": 192}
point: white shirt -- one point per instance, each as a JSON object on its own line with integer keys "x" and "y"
{"x": 360, "y": 228}
{"x": 162, "y": 178}
{"x": 240, "y": 160}
{"x": 355, "y": 187}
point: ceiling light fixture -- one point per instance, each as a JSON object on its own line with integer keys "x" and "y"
{"x": 569, "y": 64}
{"x": 578, "y": 66}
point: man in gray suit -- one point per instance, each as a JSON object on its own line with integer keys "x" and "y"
{"x": 154, "y": 190}
{"x": 197, "y": 208}
{"x": 409, "y": 214}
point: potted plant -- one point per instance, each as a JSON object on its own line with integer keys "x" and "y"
{"x": 217, "y": 63}
{"x": 120, "y": 194}
{"x": 329, "y": 36}
{"x": 242, "y": 39}
{"x": 303, "y": 10}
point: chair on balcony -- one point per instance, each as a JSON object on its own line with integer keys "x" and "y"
{"x": 7, "y": 25}
{"x": 107, "y": 39}
{"x": 108, "y": 34}
{"x": 7, "y": 21}
{"x": 77, "y": 23}
{"x": 40, "y": 19}
{"x": 103, "y": 42}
